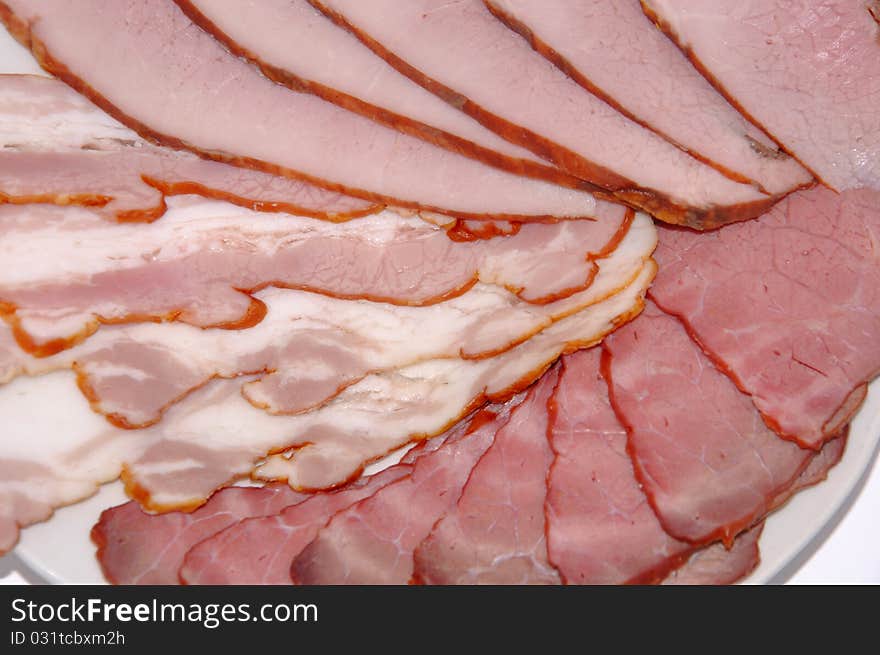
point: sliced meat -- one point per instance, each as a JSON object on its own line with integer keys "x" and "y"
{"x": 217, "y": 255}
{"x": 462, "y": 53}
{"x": 134, "y": 547}
{"x": 614, "y": 51}
{"x": 705, "y": 459}
{"x": 57, "y": 147}
{"x": 494, "y": 534}
{"x": 719, "y": 565}
{"x": 259, "y": 549}
{"x": 600, "y": 527}
{"x": 214, "y": 436}
{"x": 310, "y": 346}
{"x": 788, "y": 305}
{"x": 372, "y": 541}
{"x": 295, "y": 45}
{"x": 148, "y": 66}
{"x": 807, "y": 72}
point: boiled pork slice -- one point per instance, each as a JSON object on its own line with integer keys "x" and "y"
{"x": 788, "y": 305}
{"x": 614, "y": 51}
{"x": 807, "y": 72}
{"x": 152, "y": 69}
{"x": 719, "y": 565}
{"x": 463, "y": 54}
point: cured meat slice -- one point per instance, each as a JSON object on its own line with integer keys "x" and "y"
{"x": 148, "y": 66}
{"x": 719, "y": 565}
{"x": 705, "y": 459}
{"x": 808, "y": 73}
{"x": 295, "y": 45}
{"x": 58, "y": 147}
{"x": 614, "y": 51}
{"x": 788, "y": 306}
{"x": 600, "y": 527}
{"x": 217, "y": 255}
{"x": 372, "y": 541}
{"x": 134, "y": 547}
{"x": 214, "y": 435}
{"x": 462, "y": 53}
{"x": 494, "y": 534}
{"x": 310, "y": 346}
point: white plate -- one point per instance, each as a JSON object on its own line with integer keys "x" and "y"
{"x": 60, "y": 551}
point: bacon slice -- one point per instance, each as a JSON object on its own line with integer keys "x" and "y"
{"x": 149, "y": 67}
{"x": 612, "y": 50}
{"x": 462, "y": 53}
{"x": 310, "y": 346}
{"x": 708, "y": 464}
{"x": 494, "y": 534}
{"x": 134, "y": 547}
{"x": 217, "y": 255}
{"x": 808, "y": 73}
{"x": 788, "y": 305}
{"x": 372, "y": 541}
{"x": 214, "y": 435}
{"x": 295, "y": 45}
{"x": 57, "y": 147}
{"x": 600, "y": 527}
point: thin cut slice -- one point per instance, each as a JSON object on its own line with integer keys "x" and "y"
{"x": 214, "y": 435}
{"x": 719, "y": 565}
{"x": 463, "y": 54}
{"x": 134, "y": 547}
{"x": 788, "y": 305}
{"x": 494, "y": 534}
{"x": 201, "y": 264}
{"x": 57, "y": 147}
{"x": 295, "y": 45}
{"x": 600, "y": 527}
{"x": 705, "y": 459}
{"x": 807, "y": 72}
{"x": 614, "y": 51}
{"x": 310, "y": 346}
{"x": 148, "y": 66}
{"x": 372, "y": 541}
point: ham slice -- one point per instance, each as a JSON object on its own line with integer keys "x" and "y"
{"x": 788, "y": 305}
{"x": 462, "y": 53}
{"x": 705, "y": 459}
{"x": 311, "y": 346}
{"x": 372, "y": 541}
{"x": 295, "y": 45}
{"x": 600, "y": 527}
{"x": 203, "y": 261}
{"x": 719, "y": 565}
{"x": 808, "y": 73}
{"x": 149, "y": 67}
{"x": 58, "y": 147}
{"x": 494, "y": 534}
{"x": 614, "y": 51}
{"x": 214, "y": 436}
{"x": 134, "y": 547}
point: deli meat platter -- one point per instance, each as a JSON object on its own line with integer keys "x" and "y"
{"x": 484, "y": 292}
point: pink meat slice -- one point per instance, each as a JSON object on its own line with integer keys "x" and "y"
{"x": 495, "y": 532}
{"x": 807, "y": 72}
{"x": 719, "y": 565}
{"x": 461, "y": 52}
{"x": 295, "y": 45}
{"x": 600, "y": 527}
{"x": 614, "y": 51}
{"x": 707, "y": 462}
{"x": 58, "y": 147}
{"x": 151, "y": 68}
{"x": 203, "y": 261}
{"x": 788, "y": 305}
{"x": 372, "y": 541}
{"x": 134, "y": 547}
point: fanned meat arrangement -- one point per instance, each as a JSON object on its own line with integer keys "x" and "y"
{"x": 482, "y": 292}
